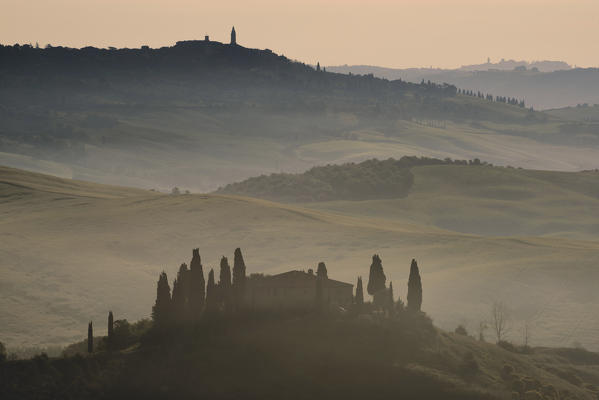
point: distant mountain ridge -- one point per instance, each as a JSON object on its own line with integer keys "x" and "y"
{"x": 507, "y": 65}
{"x": 543, "y": 84}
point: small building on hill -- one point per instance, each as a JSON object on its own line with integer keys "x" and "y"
{"x": 294, "y": 290}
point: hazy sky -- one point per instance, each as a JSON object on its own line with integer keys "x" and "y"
{"x": 400, "y": 33}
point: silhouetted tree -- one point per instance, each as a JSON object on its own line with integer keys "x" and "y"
{"x": 359, "y": 292}
{"x": 211, "y": 293}
{"x": 90, "y": 338}
{"x": 224, "y": 284}
{"x": 197, "y": 286}
{"x": 399, "y": 305}
{"x": 161, "y": 309}
{"x": 500, "y": 320}
{"x": 376, "y": 281}
{"x": 390, "y": 300}
{"x": 2, "y": 352}
{"x": 414, "y": 288}
{"x": 180, "y": 296}
{"x": 321, "y": 272}
{"x": 110, "y": 329}
{"x": 177, "y": 301}
{"x": 239, "y": 279}
{"x": 318, "y": 66}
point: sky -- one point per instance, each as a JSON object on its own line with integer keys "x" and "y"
{"x": 390, "y": 33}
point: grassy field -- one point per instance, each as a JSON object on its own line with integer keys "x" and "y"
{"x": 201, "y": 150}
{"x": 490, "y": 201}
{"x": 71, "y": 251}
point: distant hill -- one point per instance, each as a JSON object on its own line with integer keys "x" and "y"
{"x": 508, "y": 65}
{"x": 541, "y": 85}
{"x": 371, "y": 179}
{"x": 201, "y": 114}
{"x": 464, "y": 196}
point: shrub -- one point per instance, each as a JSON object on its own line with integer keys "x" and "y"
{"x": 461, "y": 330}
{"x": 530, "y": 384}
{"x": 507, "y": 372}
{"x": 469, "y": 365}
{"x": 518, "y": 385}
{"x": 532, "y": 395}
{"x": 507, "y": 346}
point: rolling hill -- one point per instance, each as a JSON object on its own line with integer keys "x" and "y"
{"x": 72, "y": 250}
{"x": 454, "y": 195}
{"x": 198, "y": 115}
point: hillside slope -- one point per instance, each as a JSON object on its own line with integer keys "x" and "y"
{"x": 540, "y": 89}
{"x": 306, "y": 357}
{"x": 66, "y": 259}
{"x": 200, "y": 114}
{"x": 477, "y": 199}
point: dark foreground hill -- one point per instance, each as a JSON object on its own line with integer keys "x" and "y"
{"x": 307, "y": 357}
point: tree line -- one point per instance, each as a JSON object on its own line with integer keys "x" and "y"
{"x": 193, "y": 298}
{"x": 498, "y": 99}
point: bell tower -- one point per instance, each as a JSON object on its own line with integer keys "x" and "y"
{"x": 233, "y": 36}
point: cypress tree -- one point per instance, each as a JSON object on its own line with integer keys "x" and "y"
{"x": 239, "y": 279}
{"x": 399, "y": 305}
{"x": 211, "y": 295}
{"x": 110, "y": 328}
{"x": 178, "y": 302}
{"x": 359, "y": 292}
{"x": 161, "y": 309}
{"x": 197, "y": 286}
{"x": 90, "y": 338}
{"x": 414, "y": 288}
{"x": 224, "y": 284}
{"x": 321, "y": 272}
{"x": 391, "y": 300}
{"x": 180, "y": 294}
{"x": 376, "y": 281}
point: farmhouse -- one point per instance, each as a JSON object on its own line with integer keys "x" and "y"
{"x": 295, "y": 290}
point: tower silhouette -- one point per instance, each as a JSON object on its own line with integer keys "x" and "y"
{"x": 233, "y": 36}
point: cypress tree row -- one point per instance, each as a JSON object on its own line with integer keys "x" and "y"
{"x": 211, "y": 294}
{"x": 376, "y": 281}
{"x": 239, "y": 279}
{"x": 224, "y": 284}
{"x": 414, "y": 288}
{"x": 90, "y": 338}
{"x": 161, "y": 309}
{"x": 197, "y": 286}
{"x": 321, "y": 272}
{"x": 359, "y": 292}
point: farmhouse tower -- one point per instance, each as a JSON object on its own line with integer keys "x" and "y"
{"x": 233, "y": 36}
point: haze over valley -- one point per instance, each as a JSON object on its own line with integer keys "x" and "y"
{"x": 229, "y": 222}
